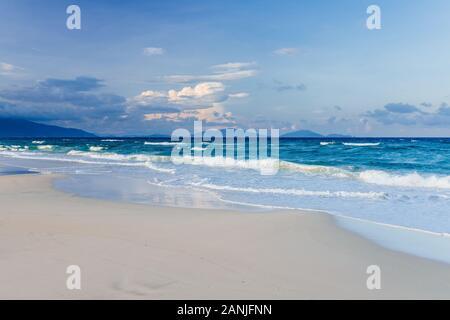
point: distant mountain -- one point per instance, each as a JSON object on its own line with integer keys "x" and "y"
{"x": 18, "y": 128}
{"x": 302, "y": 134}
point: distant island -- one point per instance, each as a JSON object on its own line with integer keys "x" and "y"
{"x": 20, "y": 128}
{"x": 312, "y": 134}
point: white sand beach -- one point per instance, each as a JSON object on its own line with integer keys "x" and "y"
{"x": 129, "y": 251}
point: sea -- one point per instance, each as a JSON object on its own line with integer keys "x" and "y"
{"x": 394, "y": 191}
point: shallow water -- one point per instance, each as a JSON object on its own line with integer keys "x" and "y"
{"x": 6, "y": 171}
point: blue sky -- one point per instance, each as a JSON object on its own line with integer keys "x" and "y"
{"x": 142, "y": 67}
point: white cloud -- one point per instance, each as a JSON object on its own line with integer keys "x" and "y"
{"x": 286, "y": 51}
{"x": 222, "y": 72}
{"x": 150, "y": 94}
{"x": 152, "y": 51}
{"x": 214, "y": 114}
{"x": 233, "y": 66}
{"x": 199, "y": 91}
{"x": 239, "y": 95}
{"x": 6, "y": 66}
{"x": 201, "y": 95}
{"x": 147, "y": 98}
{"x": 202, "y": 101}
{"x": 226, "y": 76}
{"x": 8, "y": 69}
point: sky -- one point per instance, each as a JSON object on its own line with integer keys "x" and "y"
{"x": 149, "y": 67}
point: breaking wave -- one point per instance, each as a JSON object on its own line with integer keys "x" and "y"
{"x": 407, "y": 180}
{"x": 163, "y": 143}
{"x": 378, "y": 177}
{"x": 95, "y": 148}
{"x": 367, "y": 144}
{"x": 45, "y": 147}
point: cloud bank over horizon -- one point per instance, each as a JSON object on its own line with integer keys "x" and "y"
{"x": 81, "y": 103}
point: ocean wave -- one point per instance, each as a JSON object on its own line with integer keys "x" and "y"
{"x": 315, "y": 169}
{"x": 126, "y": 160}
{"x": 358, "y": 144}
{"x": 15, "y": 148}
{"x": 325, "y": 143}
{"x": 163, "y": 143}
{"x": 378, "y": 177}
{"x": 137, "y": 157}
{"x": 112, "y": 140}
{"x": 38, "y": 142}
{"x": 266, "y": 166}
{"x": 45, "y": 147}
{"x": 152, "y": 166}
{"x": 297, "y": 192}
{"x": 95, "y": 148}
{"x": 83, "y": 157}
{"x": 413, "y": 180}
{"x": 220, "y": 162}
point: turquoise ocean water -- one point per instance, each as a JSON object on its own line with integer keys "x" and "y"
{"x": 403, "y": 182}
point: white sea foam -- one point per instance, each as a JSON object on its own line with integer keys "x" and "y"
{"x": 119, "y": 157}
{"x": 413, "y": 180}
{"x": 409, "y": 180}
{"x": 152, "y": 166}
{"x": 112, "y": 140}
{"x": 38, "y": 142}
{"x": 95, "y": 148}
{"x": 127, "y": 160}
{"x": 266, "y": 166}
{"x": 296, "y": 192}
{"x": 163, "y": 143}
{"x": 97, "y": 159}
{"x": 357, "y": 144}
{"x": 315, "y": 169}
{"x": 45, "y": 147}
{"x": 14, "y": 148}
{"x": 325, "y": 143}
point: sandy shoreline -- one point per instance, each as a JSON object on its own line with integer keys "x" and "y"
{"x": 139, "y": 252}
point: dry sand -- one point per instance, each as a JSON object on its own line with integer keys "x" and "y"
{"x": 128, "y": 251}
